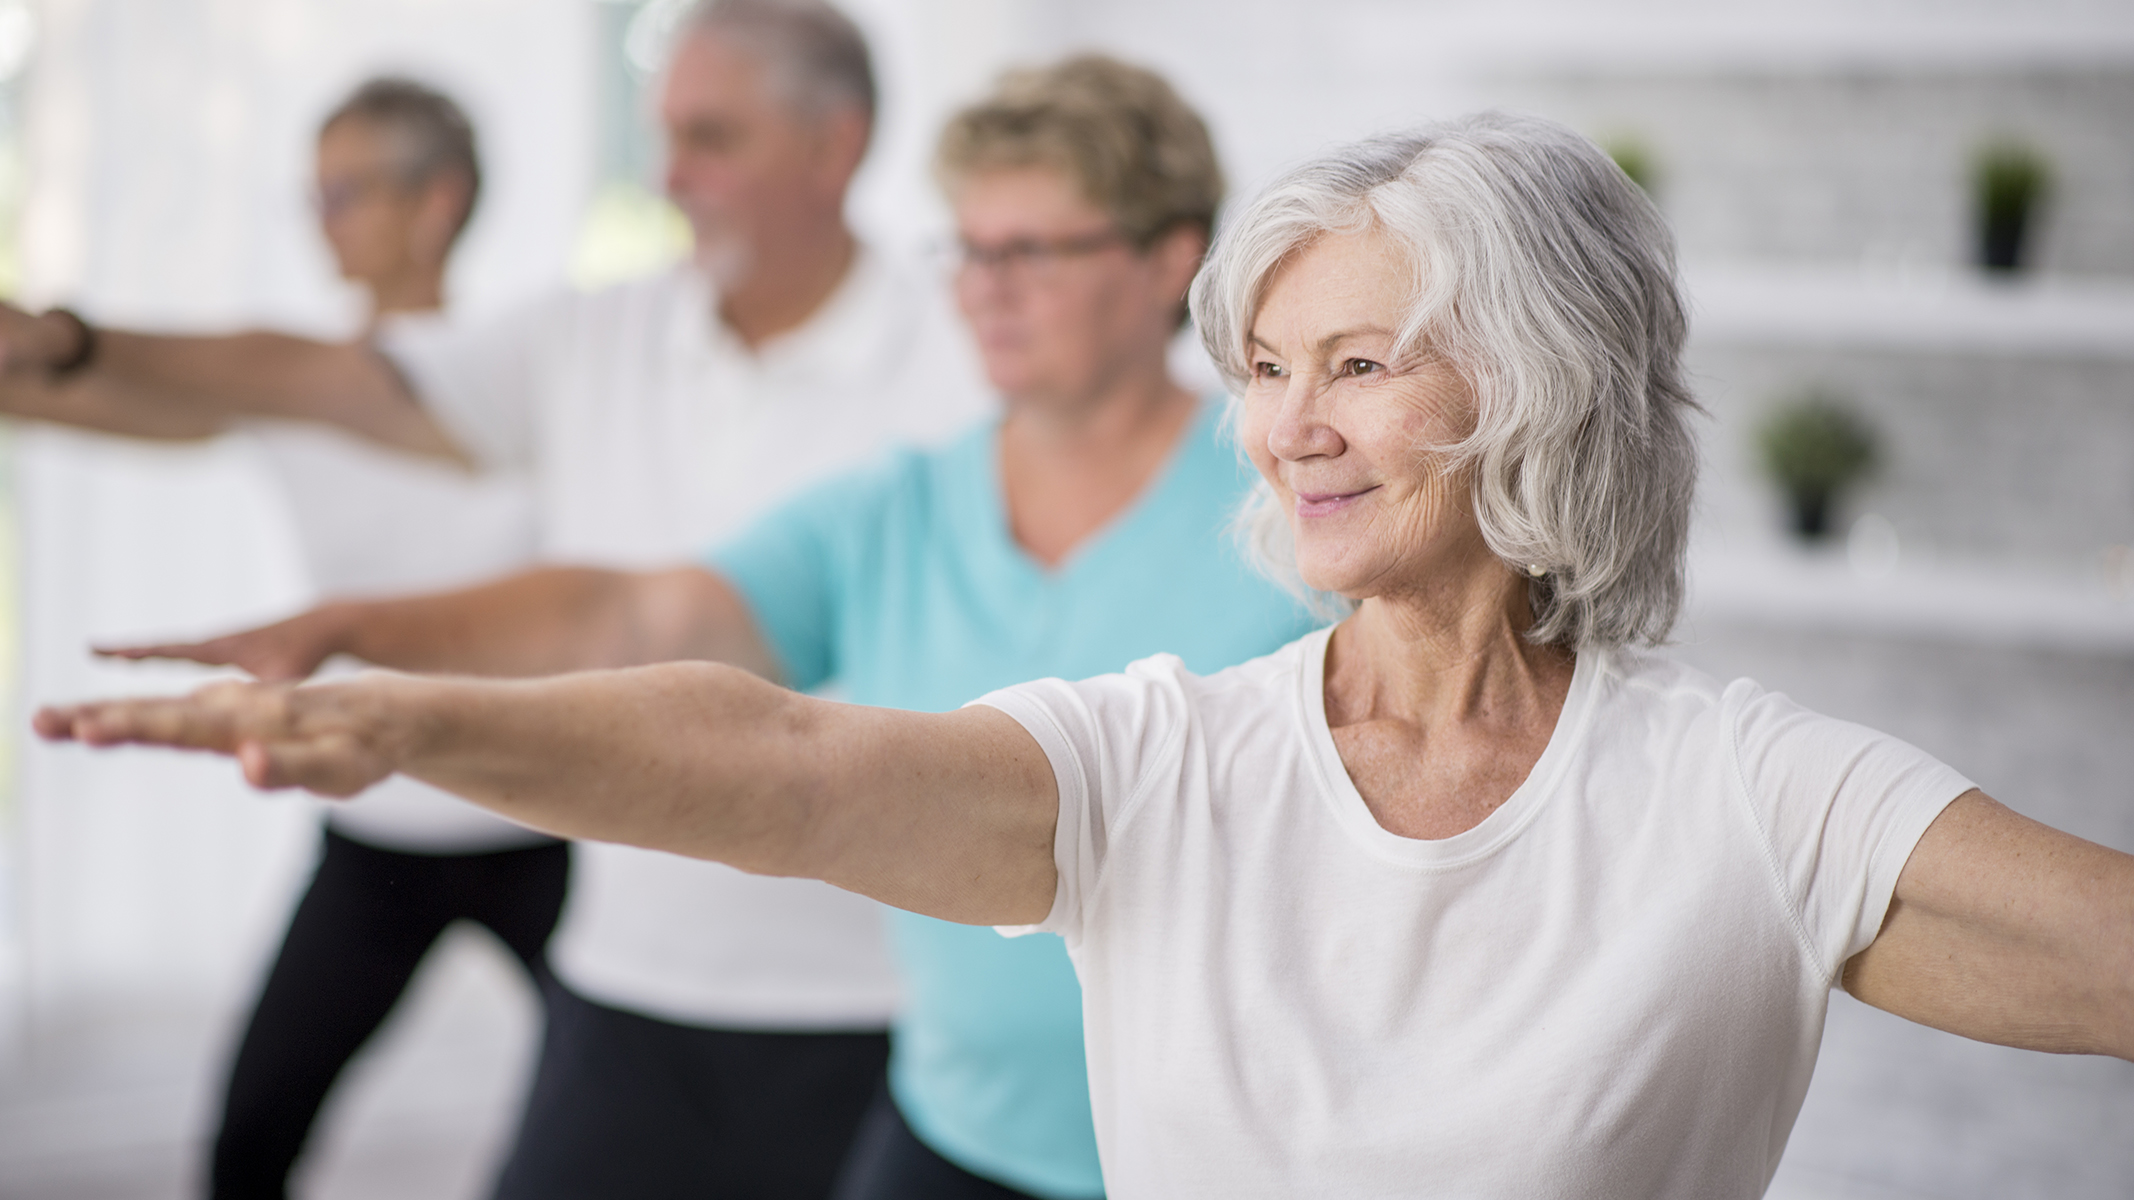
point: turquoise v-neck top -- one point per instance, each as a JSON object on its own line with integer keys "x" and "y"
{"x": 902, "y": 584}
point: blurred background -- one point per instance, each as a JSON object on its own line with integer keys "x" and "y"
{"x": 1907, "y": 230}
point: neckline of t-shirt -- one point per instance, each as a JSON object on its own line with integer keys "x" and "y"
{"x": 1096, "y": 547}
{"x": 844, "y": 337}
{"x": 1495, "y": 830}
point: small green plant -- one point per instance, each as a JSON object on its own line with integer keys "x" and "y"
{"x": 1636, "y": 160}
{"x": 1814, "y": 447}
{"x": 2010, "y": 180}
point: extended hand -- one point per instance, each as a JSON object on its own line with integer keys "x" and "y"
{"x": 282, "y": 652}
{"x": 328, "y": 738}
{"x": 34, "y": 343}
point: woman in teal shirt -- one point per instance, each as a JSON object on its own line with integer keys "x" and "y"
{"x": 1087, "y": 528}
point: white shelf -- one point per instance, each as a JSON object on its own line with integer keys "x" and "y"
{"x": 1889, "y": 308}
{"x": 1702, "y": 36}
{"x": 1978, "y": 604}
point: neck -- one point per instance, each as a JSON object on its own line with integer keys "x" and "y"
{"x": 1140, "y": 404}
{"x": 1068, "y": 468}
{"x": 1451, "y": 651}
{"x": 783, "y": 285}
{"x": 410, "y": 291}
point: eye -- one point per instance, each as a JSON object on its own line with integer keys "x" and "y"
{"x": 1267, "y": 370}
{"x": 1358, "y": 367}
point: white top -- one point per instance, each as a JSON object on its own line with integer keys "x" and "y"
{"x": 1613, "y": 986}
{"x": 373, "y": 521}
{"x": 651, "y": 433}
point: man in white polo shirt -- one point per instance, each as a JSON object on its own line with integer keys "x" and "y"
{"x": 713, "y": 1033}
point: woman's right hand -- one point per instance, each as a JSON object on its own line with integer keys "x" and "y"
{"x": 283, "y": 652}
{"x": 333, "y": 739}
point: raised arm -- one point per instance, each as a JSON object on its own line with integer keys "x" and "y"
{"x": 54, "y": 368}
{"x": 950, "y": 815}
{"x": 2008, "y": 931}
{"x": 540, "y": 622}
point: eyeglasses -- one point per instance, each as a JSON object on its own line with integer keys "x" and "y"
{"x": 341, "y": 195}
{"x": 1028, "y": 258}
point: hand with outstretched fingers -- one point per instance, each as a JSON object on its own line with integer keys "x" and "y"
{"x": 283, "y": 652}
{"x": 324, "y": 738}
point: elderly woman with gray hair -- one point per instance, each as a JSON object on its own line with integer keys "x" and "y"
{"x": 1464, "y": 896}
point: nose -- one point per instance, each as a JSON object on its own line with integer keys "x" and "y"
{"x": 983, "y": 288}
{"x": 1303, "y": 424}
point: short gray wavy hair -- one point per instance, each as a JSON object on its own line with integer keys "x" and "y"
{"x": 814, "y": 52}
{"x": 1548, "y": 279}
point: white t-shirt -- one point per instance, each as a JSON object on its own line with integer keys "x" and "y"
{"x": 1613, "y": 986}
{"x": 651, "y": 433}
{"x": 373, "y": 521}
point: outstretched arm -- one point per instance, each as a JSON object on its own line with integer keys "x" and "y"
{"x": 144, "y": 385}
{"x": 540, "y": 622}
{"x": 950, "y": 815}
{"x": 95, "y": 402}
{"x": 2008, "y": 931}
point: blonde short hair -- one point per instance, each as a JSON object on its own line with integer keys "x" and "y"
{"x": 1119, "y": 131}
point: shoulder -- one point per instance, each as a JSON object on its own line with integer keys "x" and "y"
{"x": 1655, "y": 686}
{"x": 1649, "y": 696}
{"x": 1151, "y": 709}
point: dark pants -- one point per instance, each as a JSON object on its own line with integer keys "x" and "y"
{"x": 634, "y": 1108}
{"x": 889, "y": 1162}
{"x": 361, "y": 929}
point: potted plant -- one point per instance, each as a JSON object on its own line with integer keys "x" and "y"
{"x": 2010, "y": 180}
{"x": 1636, "y": 160}
{"x": 1814, "y": 447}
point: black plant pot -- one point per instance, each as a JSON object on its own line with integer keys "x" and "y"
{"x": 2000, "y": 240}
{"x": 1811, "y": 515}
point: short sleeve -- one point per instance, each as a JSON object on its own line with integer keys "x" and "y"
{"x": 479, "y": 380}
{"x": 794, "y": 566}
{"x": 1842, "y": 806}
{"x": 1113, "y": 742}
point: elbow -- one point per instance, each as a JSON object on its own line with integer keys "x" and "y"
{"x": 749, "y": 785}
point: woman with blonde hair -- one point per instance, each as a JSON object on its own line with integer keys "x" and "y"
{"x": 1467, "y": 895}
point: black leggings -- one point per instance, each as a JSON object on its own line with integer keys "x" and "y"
{"x": 361, "y": 929}
{"x": 628, "y": 1106}
{"x": 889, "y": 1162}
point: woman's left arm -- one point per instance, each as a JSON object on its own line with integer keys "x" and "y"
{"x": 2008, "y": 931}
{"x": 950, "y": 814}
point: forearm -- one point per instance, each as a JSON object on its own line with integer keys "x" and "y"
{"x": 947, "y": 814}
{"x": 553, "y": 620}
{"x": 546, "y": 621}
{"x": 950, "y": 815}
{"x": 270, "y": 375}
{"x": 102, "y": 404}
{"x": 693, "y": 758}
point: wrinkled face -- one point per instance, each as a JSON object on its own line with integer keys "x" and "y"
{"x": 1060, "y": 302}
{"x": 369, "y": 216}
{"x": 740, "y": 158}
{"x": 1342, "y": 427}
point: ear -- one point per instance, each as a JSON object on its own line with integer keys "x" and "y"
{"x": 842, "y": 134}
{"x": 1176, "y": 257}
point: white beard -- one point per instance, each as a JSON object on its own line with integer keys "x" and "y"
{"x": 724, "y": 260}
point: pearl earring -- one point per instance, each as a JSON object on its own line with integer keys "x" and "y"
{"x": 1536, "y": 570}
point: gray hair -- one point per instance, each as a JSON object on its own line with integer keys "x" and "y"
{"x": 429, "y": 133}
{"x": 816, "y": 53}
{"x": 1547, "y": 278}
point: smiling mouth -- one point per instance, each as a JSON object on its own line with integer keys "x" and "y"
{"x": 1326, "y": 504}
